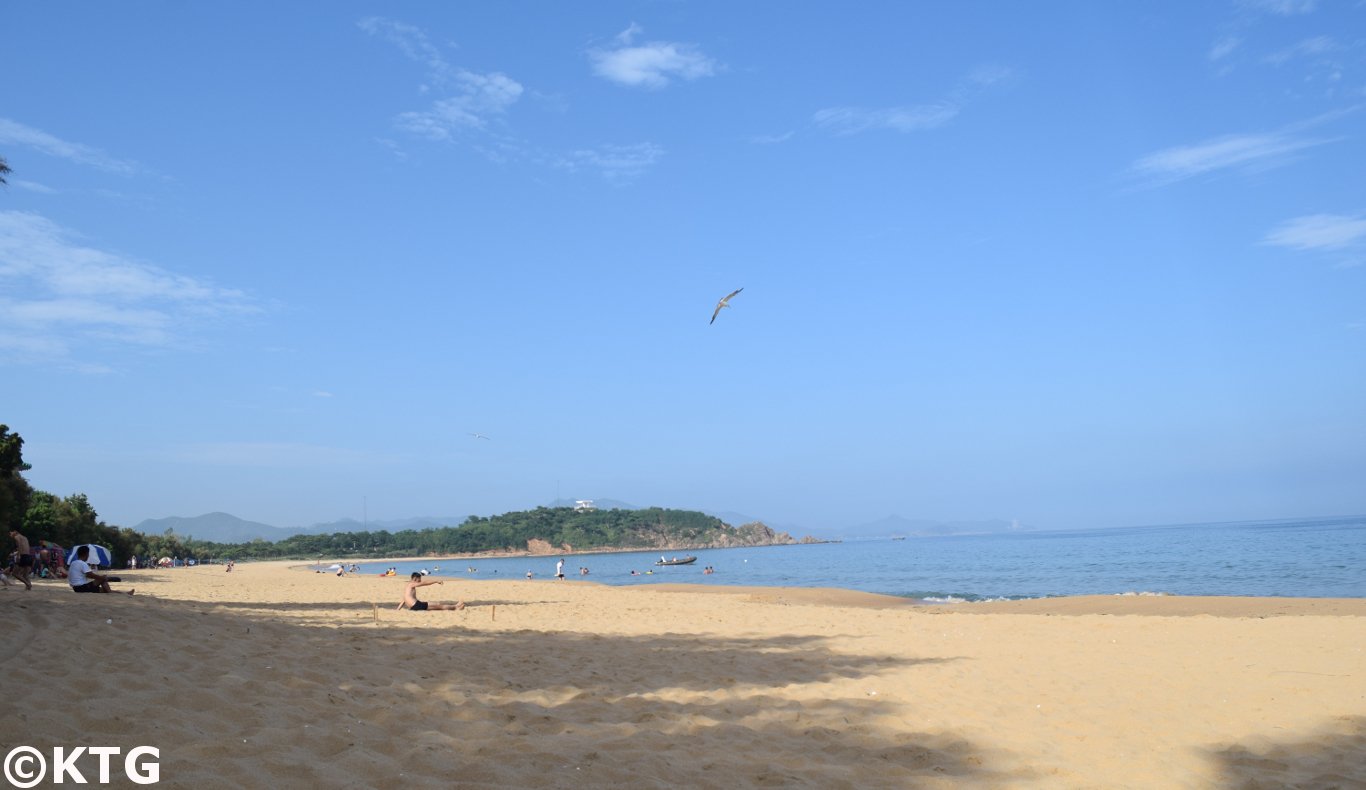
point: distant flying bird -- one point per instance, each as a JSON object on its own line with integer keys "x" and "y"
{"x": 723, "y": 303}
{"x": 479, "y": 436}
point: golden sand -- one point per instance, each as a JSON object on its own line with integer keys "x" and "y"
{"x": 269, "y": 677}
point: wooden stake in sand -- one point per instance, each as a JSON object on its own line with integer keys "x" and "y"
{"x": 372, "y": 603}
{"x": 493, "y": 612}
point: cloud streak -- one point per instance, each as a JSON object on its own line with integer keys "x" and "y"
{"x": 616, "y": 163}
{"x": 15, "y": 133}
{"x": 411, "y": 41}
{"x": 58, "y": 297}
{"x": 1181, "y": 162}
{"x": 473, "y": 107}
{"x": 477, "y": 99}
{"x": 1281, "y": 7}
{"x": 1317, "y": 46}
{"x": 1224, "y": 47}
{"x": 1254, "y": 151}
{"x": 653, "y": 64}
{"x": 847, "y": 120}
{"x": 1320, "y": 232}
{"x": 472, "y": 100}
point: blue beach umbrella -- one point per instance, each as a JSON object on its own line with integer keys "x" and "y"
{"x": 99, "y": 556}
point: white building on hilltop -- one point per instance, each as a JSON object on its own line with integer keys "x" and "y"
{"x": 584, "y": 504}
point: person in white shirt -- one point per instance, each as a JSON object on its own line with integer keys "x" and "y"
{"x": 83, "y": 579}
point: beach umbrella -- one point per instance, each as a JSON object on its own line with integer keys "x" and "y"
{"x": 99, "y": 556}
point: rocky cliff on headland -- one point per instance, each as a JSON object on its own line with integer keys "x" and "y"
{"x": 755, "y": 533}
{"x": 665, "y": 538}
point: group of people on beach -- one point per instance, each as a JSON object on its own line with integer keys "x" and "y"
{"x": 49, "y": 561}
{"x": 46, "y": 561}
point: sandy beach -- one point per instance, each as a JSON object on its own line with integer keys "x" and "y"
{"x": 271, "y": 676}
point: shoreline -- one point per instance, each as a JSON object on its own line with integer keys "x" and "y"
{"x": 1116, "y": 604}
{"x": 1063, "y": 605}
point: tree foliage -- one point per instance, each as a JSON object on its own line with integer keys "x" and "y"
{"x": 14, "y": 489}
{"x": 560, "y": 527}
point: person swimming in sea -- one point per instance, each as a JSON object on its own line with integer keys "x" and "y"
{"x": 410, "y": 600}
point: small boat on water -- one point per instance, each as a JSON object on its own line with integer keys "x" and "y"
{"x": 676, "y": 561}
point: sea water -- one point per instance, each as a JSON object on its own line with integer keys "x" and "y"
{"x": 1323, "y": 558}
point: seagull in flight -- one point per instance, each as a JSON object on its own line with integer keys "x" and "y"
{"x": 479, "y": 436}
{"x": 724, "y": 303}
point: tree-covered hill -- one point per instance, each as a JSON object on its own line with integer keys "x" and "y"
{"x": 543, "y": 530}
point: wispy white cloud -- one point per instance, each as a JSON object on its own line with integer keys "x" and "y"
{"x": 652, "y": 64}
{"x": 914, "y": 118}
{"x": 852, "y": 120}
{"x": 477, "y": 99}
{"x": 1248, "y": 15}
{"x": 1281, "y": 7}
{"x": 1308, "y": 48}
{"x": 616, "y": 163}
{"x": 58, "y": 297}
{"x": 15, "y": 133}
{"x": 393, "y": 147}
{"x": 771, "y": 139}
{"x": 469, "y": 100}
{"x": 474, "y": 108}
{"x": 1252, "y": 151}
{"x": 412, "y": 41}
{"x": 34, "y": 186}
{"x": 1185, "y": 161}
{"x": 1224, "y": 47}
{"x": 1321, "y": 232}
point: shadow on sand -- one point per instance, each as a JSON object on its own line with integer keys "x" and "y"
{"x": 356, "y": 702}
{"x": 1332, "y": 758}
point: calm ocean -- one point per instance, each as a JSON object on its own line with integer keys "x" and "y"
{"x": 1323, "y": 558}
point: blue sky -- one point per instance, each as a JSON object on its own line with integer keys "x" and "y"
{"x": 1077, "y": 264}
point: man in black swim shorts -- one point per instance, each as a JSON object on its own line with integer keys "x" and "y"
{"x": 410, "y": 600}
{"x": 23, "y": 560}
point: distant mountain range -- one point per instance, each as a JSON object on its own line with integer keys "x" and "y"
{"x": 897, "y": 527}
{"x": 227, "y": 528}
{"x": 218, "y": 527}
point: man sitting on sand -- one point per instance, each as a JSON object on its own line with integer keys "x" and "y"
{"x": 84, "y": 580}
{"x": 410, "y": 600}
